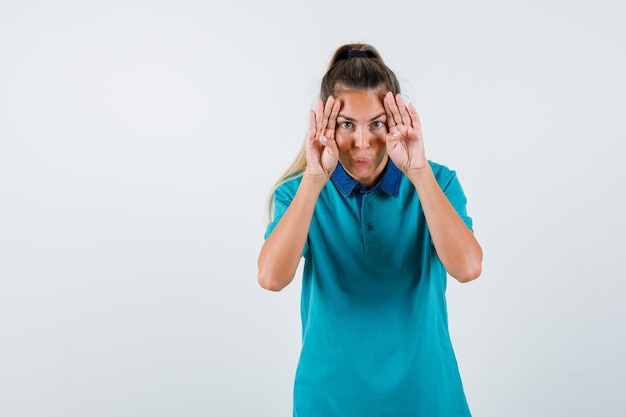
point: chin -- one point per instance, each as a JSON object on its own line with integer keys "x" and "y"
{"x": 361, "y": 173}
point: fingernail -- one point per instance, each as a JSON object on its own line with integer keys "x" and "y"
{"x": 323, "y": 139}
{"x": 396, "y": 134}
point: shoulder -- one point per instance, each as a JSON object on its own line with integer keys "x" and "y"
{"x": 441, "y": 169}
{"x": 443, "y": 173}
{"x": 289, "y": 186}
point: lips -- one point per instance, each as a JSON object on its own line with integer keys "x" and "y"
{"x": 361, "y": 161}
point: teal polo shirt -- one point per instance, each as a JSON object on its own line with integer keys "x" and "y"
{"x": 375, "y": 338}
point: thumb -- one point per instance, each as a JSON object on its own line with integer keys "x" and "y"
{"x": 392, "y": 140}
{"x": 330, "y": 145}
{"x": 330, "y": 153}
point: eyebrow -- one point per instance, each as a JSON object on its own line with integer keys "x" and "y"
{"x": 350, "y": 119}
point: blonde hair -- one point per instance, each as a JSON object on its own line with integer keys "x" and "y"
{"x": 365, "y": 71}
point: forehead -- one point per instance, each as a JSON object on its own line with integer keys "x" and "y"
{"x": 360, "y": 103}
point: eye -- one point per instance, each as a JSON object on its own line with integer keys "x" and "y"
{"x": 346, "y": 125}
{"x": 378, "y": 124}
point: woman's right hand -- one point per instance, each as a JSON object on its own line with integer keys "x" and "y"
{"x": 282, "y": 250}
{"x": 322, "y": 154}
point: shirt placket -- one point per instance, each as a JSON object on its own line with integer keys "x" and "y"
{"x": 369, "y": 224}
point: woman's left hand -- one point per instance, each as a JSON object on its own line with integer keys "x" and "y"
{"x": 405, "y": 144}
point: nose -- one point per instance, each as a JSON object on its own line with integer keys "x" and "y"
{"x": 362, "y": 139}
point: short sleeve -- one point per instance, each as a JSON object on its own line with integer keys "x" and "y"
{"x": 282, "y": 197}
{"x": 451, "y": 186}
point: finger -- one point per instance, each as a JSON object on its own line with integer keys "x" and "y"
{"x": 330, "y": 101}
{"x": 312, "y": 127}
{"x": 417, "y": 124}
{"x": 319, "y": 112}
{"x": 330, "y": 145}
{"x": 404, "y": 114}
{"x": 332, "y": 120}
{"x": 389, "y": 121}
{"x": 392, "y": 140}
{"x": 395, "y": 118}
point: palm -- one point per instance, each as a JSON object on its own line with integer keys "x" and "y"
{"x": 405, "y": 145}
{"x": 322, "y": 155}
{"x": 320, "y": 160}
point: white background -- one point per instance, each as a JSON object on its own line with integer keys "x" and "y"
{"x": 139, "y": 141}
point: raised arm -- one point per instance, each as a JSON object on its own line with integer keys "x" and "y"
{"x": 454, "y": 242}
{"x": 282, "y": 250}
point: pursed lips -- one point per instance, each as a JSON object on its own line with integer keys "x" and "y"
{"x": 361, "y": 160}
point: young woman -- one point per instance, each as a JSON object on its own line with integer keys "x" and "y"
{"x": 380, "y": 227}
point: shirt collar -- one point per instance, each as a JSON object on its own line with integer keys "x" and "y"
{"x": 389, "y": 182}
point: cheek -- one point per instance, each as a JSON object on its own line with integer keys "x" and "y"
{"x": 344, "y": 141}
{"x": 381, "y": 138}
